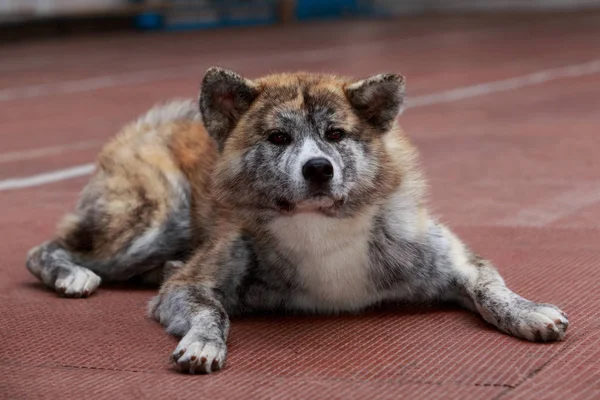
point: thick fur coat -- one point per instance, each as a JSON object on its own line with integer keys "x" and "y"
{"x": 294, "y": 192}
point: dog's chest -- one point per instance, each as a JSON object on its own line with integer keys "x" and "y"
{"x": 331, "y": 260}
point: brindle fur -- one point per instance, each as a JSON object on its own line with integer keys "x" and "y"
{"x": 261, "y": 237}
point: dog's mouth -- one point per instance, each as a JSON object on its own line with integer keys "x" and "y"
{"x": 317, "y": 202}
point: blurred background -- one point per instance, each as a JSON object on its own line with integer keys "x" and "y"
{"x": 22, "y": 18}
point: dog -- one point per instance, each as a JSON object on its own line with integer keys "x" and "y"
{"x": 294, "y": 192}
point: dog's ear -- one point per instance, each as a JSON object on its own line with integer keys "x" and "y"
{"x": 224, "y": 97}
{"x": 378, "y": 99}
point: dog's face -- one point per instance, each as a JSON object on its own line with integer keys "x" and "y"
{"x": 301, "y": 142}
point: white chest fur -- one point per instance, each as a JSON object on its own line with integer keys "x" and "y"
{"x": 332, "y": 259}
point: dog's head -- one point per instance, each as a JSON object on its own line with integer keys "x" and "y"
{"x": 303, "y": 142}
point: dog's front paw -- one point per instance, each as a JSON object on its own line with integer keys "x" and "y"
{"x": 195, "y": 354}
{"x": 538, "y": 322}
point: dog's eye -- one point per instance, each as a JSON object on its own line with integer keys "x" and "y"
{"x": 279, "y": 138}
{"x": 334, "y": 135}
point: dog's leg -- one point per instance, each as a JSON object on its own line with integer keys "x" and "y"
{"x": 53, "y": 265}
{"x": 193, "y": 302}
{"x": 193, "y": 312}
{"x": 477, "y": 285}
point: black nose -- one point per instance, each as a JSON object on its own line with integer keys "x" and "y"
{"x": 318, "y": 171}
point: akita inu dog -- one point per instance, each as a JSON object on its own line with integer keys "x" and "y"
{"x": 304, "y": 195}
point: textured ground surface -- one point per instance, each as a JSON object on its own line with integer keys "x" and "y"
{"x": 514, "y": 169}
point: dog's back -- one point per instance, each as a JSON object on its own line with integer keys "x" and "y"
{"x": 135, "y": 214}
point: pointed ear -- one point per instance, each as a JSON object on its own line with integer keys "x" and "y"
{"x": 224, "y": 97}
{"x": 378, "y": 99}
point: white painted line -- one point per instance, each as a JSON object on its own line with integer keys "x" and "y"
{"x": 48, "y": 177}
{"x": 482, "y": 89}
{"x": 49, "y": 59}
{"x": 151, "y": 75}
{"x": 47, "y": 151}
{"x": 457, "y": 94}
{"x": 554, "y": 209}
{"x": 84, "y": 85}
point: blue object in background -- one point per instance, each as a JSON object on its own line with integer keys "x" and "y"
{"x": 205, "y": 14}
{"x": 337, "y": 9}
{"x": 149, "y": 21}
{"x": 316, "y": 9}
